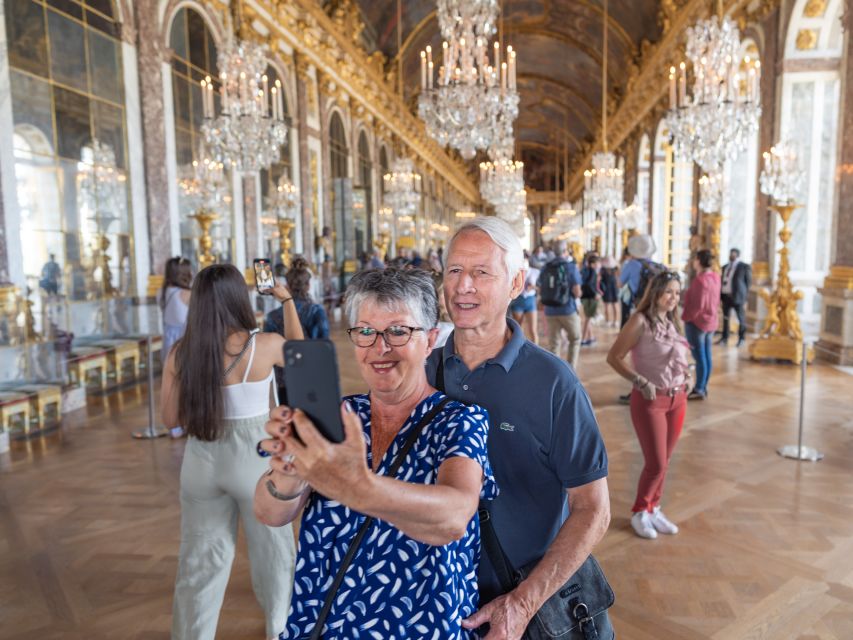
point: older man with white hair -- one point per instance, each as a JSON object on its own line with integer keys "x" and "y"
{"x": 544, "y": 443}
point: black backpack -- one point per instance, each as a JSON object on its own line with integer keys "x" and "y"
{"x": 647, "y": 273}
{"x": 554, "y": 287}
{"x": 589, "y": 278}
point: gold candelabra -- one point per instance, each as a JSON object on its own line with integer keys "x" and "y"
{"x": 383, "y": 242}
{"x": 205, "y": 219}
{"x": 781, "y": 336}
{"x": 285, "y": 226}
{"x": 713, "y": 222}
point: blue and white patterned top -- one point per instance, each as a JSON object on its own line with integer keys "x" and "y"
{"x": 396, "y": 587}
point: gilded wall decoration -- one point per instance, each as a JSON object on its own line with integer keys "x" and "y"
{"x": 806, "y": 39}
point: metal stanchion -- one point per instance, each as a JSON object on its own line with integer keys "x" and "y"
{"x": 798, "y": 451}
{"x": 152, "y": 431}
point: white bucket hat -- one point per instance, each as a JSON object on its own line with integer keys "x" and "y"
{"x": 641, "y": 246}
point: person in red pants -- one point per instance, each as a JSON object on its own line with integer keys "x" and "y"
{"x": 660, "y": 372}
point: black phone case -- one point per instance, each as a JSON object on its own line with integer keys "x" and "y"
{"x": 312, "y": 383}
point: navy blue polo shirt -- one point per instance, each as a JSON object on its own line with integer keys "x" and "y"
{"x": 543, "y": 439}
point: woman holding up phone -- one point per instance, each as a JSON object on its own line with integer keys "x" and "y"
{"x": 414, "y": 572}
{"x": 218, "y": 383}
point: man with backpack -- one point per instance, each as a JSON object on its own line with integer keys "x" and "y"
{"x": 636, "y": 272}
{"x": 559, "y": 287}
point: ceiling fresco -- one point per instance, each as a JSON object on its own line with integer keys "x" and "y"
{"x": 560, "y": 53}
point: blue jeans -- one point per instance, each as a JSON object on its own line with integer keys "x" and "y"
{"x": 700, "y": 345}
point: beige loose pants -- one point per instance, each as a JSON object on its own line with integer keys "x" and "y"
{"x": 572, "y": 326}
{"x": 217, "y": 485}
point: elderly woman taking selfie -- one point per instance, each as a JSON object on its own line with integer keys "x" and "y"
{"x": 414, "y": 572}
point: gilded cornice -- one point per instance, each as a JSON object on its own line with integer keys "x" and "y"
{"x": 647, "y": 83}
{"x": 320, "y": 39}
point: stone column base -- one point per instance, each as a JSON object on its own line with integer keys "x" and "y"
{"x": 836, "y": 327}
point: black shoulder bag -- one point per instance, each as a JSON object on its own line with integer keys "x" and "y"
{"x": 368, "y": 522}
{"x": 577, "y": 611}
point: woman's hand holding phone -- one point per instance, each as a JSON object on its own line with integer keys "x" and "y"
{"x": 337, "y": 470}
{"x": 280, "y": 292}
{"x": 277, "y": 427}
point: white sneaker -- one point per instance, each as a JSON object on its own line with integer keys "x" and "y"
{"x": 662, "y": 523}
{"x": 643, "y": 527}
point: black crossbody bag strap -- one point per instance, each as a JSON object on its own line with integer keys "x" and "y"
{"x": 368, "y": 522}
{"x": 494, "y": 550}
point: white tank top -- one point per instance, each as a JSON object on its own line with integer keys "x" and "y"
{"x": 174, "y": 310}
{"x": 248, "y": 399}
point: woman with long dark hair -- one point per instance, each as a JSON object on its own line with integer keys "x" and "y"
{"x": 218, "y": 383}
{"x": 701, "y": 302}
{"x": 660, "y": 372}
{"x": 174, "y": 301}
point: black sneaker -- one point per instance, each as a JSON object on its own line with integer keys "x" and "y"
{"x": 626, "y": 399}
{"x": 741, "y": 342}
{"x": 697, "y": 395}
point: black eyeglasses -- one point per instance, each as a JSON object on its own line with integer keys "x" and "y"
{"x": 394, "y": 336}
{"x": 670, "y": 275}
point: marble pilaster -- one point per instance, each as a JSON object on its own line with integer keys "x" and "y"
{"x": 836, "y": 326}
{"x": 151, "y": 53}
{"x": 303, "y": 85}
{"x": 763, "y": 240}
{"x": 4, "y": 255}
{"x": 771, "y": 58}
{"x": 251, "y": 216}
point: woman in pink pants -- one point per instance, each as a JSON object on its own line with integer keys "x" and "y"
{"x": 659, "y": 370}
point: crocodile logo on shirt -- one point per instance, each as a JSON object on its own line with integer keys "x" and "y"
{"x": 506, "y": 426}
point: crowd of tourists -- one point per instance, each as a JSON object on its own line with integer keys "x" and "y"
{"x": 466, "y": 496}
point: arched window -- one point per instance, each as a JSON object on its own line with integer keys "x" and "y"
{"x": 270, "y": 177}
{"x": 363, "y": 211}
{"x": 338, "y": 149}
{"x": 68, "y": 109}
{"x": 672, "y": 209}
{"x": 741, "y": 181}
{"x": 644, "y": 164}
{"x": 811, "y": 87}
{"x": 194, "y": 58}
{"x": 341, "y": 196}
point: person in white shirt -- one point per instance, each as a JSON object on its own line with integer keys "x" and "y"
{"x": 523, "y": 308}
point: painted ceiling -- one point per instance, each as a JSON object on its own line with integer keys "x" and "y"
{"x": 559, "y": 45}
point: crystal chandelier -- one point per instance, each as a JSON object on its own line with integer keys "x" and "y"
{"x": 713, "y": 123}
{"x": 100, "y": 185}
{"x": 630, "y": 217}
{"x": 249, "y": 131}
{"x": 711, "y": 192}
{"x": 283, "y": 202}
{"x": 782, "y": 176}
{"x": 474, "y": 101}
{"x": 204, "y": 183}
{"x": 514, "y": 211}
{"x": 402, "y": 188}
{"x": 604, "y": 184}
{"x": 501, "y": 180}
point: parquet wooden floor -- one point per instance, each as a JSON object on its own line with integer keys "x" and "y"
{"x": 89, "y": 518}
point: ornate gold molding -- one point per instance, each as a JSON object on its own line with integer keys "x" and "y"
{"x": 840, "y": 277}
{"x": 806, "y": 39}
{"x": 647, "y": 82}
{"x": 815, "y": 9}
{"x": 321, "y": 40}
